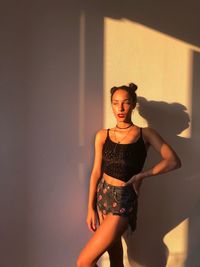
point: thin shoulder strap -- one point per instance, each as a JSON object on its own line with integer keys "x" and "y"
{"x": 108, "y": 132}
{"x": 141, "y": 135}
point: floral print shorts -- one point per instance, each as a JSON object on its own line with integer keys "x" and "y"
{"x": 118, "y": 200}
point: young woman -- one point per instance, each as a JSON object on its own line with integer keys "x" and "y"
{"x": 116, "y": 178}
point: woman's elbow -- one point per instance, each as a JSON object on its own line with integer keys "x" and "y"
{"x": 176, "y": 163}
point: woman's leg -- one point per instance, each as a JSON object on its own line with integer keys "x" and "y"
{"x": 106, "y": 237}
{"x": 116, "y": 254}
{"x": 116, "y": 250}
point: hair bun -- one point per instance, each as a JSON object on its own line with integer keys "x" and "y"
{"x": 133, "y": 86}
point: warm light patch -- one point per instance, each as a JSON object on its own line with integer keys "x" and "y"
{"x": 176, "y": 241}
{"x": 161, "y": 66}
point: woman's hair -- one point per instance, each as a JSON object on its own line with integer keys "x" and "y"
{"x": 130, "y": 89}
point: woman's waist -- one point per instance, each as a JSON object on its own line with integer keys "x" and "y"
{"x": 113, "y": 181}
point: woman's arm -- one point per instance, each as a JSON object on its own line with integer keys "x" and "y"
{"x": 170, "y": 159}
{"x": 95, "y": 175}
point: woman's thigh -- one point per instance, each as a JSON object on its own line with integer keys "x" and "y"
{"x": 115, "y": 251}
{"x": 110, "y": 230}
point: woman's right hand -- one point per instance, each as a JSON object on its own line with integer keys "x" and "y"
{"x": 92, "y": 220}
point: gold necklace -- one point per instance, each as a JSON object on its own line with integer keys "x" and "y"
{"x": 118, "y": 142}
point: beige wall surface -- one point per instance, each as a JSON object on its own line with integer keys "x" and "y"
{"x": 162, "y": 66}
{"x": 58, "y": 61}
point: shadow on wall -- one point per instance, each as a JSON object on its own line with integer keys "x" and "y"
{"x": 179, "y": 19}
{"x": 166, "y": 200}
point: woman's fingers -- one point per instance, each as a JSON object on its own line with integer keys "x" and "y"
{"x": 136, "y": 185}
{"x": 90, "y": 226}
{"x": 88, "y": 221}
{"x": 135, "y": 189}
{"x": 94, "y": 227}
{"x": 130, "y": 181}
{"x": 91, "y": 222}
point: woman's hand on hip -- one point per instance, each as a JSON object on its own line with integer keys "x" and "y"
{"x": 136, "y": 182}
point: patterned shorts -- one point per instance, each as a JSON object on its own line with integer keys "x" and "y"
{"x": 118, "y": 200}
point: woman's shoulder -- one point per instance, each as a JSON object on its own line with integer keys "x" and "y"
{"x": 101, "y": 135}
{"x": 150, "y": 134}
{"x": 149, "y": 130}
{"x": 101, "y": 132}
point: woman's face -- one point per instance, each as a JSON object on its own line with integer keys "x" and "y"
{"x": 122, "y": 106}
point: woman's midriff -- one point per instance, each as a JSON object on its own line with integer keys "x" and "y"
{"x": 113, "y": 181}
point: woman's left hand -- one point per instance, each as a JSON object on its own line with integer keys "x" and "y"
{"x": 136, "y": 182}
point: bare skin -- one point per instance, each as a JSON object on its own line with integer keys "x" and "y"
{"x": 107, "y": 237}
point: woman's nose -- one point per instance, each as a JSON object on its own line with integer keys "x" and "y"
{"x": 121, "y": 107}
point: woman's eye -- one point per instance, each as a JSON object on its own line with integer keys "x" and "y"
{"x": 124, "y": 103}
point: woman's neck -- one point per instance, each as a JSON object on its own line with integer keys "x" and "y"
{"x": 124, "y": 125}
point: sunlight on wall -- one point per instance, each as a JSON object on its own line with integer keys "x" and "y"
{"x": 161, "y": 66}
{"x": 176, "y": 241}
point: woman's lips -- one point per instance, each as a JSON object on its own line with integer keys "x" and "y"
{"x": 121, "y": 115}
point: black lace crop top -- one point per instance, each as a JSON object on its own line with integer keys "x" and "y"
{"x": 122, "y": 161}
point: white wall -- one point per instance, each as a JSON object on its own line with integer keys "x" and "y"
{"x": 45, "y": 159}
